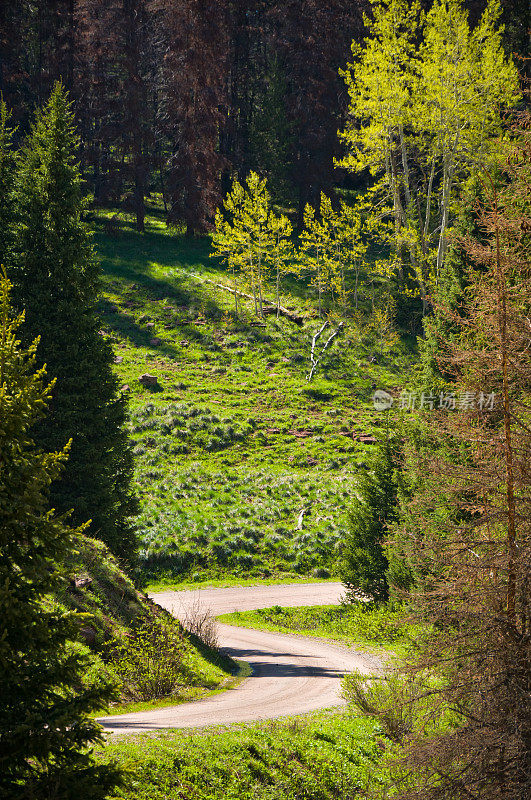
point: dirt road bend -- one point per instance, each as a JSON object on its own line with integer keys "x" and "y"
{"x": 291, "y": 674}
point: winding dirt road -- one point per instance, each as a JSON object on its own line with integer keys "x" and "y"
{"x": 291, "y": 674}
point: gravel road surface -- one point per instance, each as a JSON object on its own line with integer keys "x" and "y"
{"x": 291, "y": 674}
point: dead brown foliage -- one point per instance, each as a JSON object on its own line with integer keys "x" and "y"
{"x": 468, "y": 536}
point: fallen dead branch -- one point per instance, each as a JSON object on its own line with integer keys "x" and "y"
{"x": 266, "y": 309}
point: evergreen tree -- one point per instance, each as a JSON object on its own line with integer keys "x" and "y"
{"x": 44, "y": 730}
{"x": 194, "y": 89}
{"x": 449, "y": 293}
{"x": 271, "y": 133}
{"x": 364, "y": 563}
{"x": 56, "y": 282}
{"x": 115, "y": 105}
{"x": 312, "y": 40}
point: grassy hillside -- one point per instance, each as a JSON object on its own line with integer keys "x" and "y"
{"x": 95, "y": 585}
{"x": 242, "y": 467}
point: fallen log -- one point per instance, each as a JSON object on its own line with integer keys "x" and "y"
{"x": 266, "y": 309}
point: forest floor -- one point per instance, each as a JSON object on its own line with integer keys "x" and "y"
{"x": 244, "y": 470}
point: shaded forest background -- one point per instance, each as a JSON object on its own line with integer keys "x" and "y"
{"x": 181, "y": 96}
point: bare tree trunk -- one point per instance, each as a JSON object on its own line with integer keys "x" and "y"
{"x": 277, "y": 298}
{"x": 140, "y": 189}
{"x": 441, "y": 250}
{"x": 260, "y": 304}
{"x": 235, "y": 290}
{"x": 448, "y": 174}
{"x": 319, "y": 287}
{"x": 343, "y": 291}
{"x": 162, "y": 187}
{"x": 316, "y": 361}
{"x": 428, "y": 201}
{"x": 509, "y": 460}
{"x": 405, "y": 165}
{"x": 253, "y": 285}
{"x": 397, "y": 206}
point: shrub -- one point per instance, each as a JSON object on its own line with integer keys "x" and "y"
{"x": 319, "y": 572}
{"x": 392, "y": 699}
{"x": 149, "y": 662}
{"x": 200, "y": 623}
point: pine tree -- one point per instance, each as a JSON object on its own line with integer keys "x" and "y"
{"x": 194, "y": 97}
{"x": 448, "y": 294}
{"x": 44, "y": 699}
{"x": 56, "y": 282}
{"x": 271, "y": 132}
{"x": 364, "y": 563}
{"x": 37, "y": 45}
{"x": 114, "y": 43}
{"x": 312, "y": 40}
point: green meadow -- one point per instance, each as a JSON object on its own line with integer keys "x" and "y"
{"x": 243, "y": 468}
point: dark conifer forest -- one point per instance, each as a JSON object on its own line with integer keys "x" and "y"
{"x": 180, "y": 97}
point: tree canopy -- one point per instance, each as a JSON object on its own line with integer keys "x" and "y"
{"x": 425, "y": 120}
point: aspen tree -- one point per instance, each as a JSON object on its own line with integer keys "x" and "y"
{"x": 430, "y": 116}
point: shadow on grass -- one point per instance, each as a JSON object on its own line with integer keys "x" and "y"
{"x": 216, "y": 657}
{"x": 129, "y": 250}
{"x": 136, "y": 259}
{"x": 126, "y": 326}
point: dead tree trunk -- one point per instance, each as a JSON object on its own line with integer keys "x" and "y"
{"x": 316, "y": 361}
